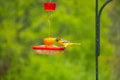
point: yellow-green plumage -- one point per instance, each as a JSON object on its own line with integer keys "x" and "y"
{"x": 66, "y": 43}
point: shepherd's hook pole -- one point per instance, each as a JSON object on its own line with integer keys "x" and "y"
{"x": 98, "y": 14}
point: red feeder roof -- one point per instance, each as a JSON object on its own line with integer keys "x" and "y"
{"x": 49, "y": 6}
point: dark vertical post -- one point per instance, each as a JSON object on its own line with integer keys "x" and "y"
{"x": 97, "y": 38}
{"x": 98, "y": 14}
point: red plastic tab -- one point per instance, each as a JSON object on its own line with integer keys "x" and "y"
{"x": 49, "y": 6}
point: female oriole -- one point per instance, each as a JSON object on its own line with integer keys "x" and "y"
{"x": 65, "y": 43}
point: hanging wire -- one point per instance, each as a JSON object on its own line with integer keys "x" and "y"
{"x": 49, "y": 24}
{"x": 50, "y": 1}
{"x": 49, "y": 30}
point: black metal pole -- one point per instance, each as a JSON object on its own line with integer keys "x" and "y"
{"x": 97, "y": 38}
{"x": 98, "y": 14}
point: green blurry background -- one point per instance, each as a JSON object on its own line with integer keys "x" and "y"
{"x": 23, "y": 23}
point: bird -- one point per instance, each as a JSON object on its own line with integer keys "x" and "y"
{"x": 65, "y": 43}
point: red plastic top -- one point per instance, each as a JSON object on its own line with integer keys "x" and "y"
{"x": 41, "y": 47}
{"x": 49, "y": 6}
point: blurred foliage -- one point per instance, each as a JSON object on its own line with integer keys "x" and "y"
{"x": 114, "y": 31}
{"x": 24, "y": 23}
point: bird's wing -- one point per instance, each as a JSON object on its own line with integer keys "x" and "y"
{"x": 65, "y": 41}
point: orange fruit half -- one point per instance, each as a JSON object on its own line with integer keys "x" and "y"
{"x": 48, "y": 41}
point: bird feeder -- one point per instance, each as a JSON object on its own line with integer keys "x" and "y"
{"x": 48, "y": 47}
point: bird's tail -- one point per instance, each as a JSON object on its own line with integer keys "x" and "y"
{"x": 70, "y": 44}
{"x": 74, "y": 44}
